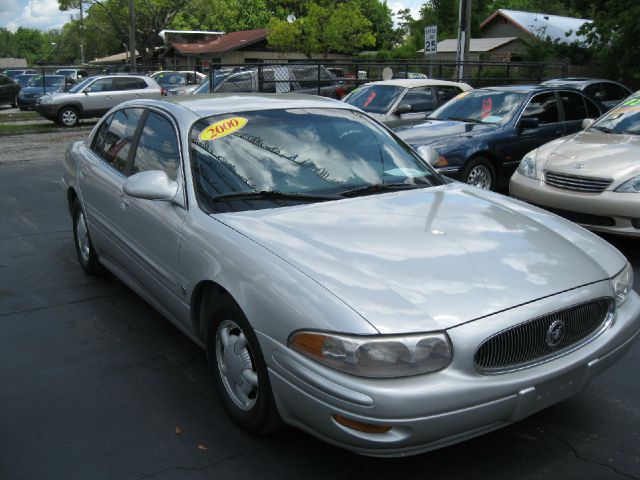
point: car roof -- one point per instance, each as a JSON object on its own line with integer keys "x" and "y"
{"x": 220, "y": 103}
{"x": 417, "y": 82}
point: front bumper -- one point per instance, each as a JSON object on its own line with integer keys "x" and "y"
{"x": 608, "y": 211}
{"x": 49, "y": 110}
{"x": 430, "y": 411}
{"x": 28, "y": 103}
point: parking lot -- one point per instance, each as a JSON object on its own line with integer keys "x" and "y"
{"x": 96, "y": 384}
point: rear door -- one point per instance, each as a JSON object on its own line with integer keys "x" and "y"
{"x": 100, "y": 97}
{"x": 101, "y": 175}
{"x": 574, "y": 109}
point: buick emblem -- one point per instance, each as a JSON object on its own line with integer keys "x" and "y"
{"x": 555, "y": 333}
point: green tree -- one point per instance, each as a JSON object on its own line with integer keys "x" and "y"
{"x": 324, "y": 28}
{"x": 225, "y": 15}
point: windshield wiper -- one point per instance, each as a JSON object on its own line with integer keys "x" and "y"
{"x": 382, "y": 187}
{"x": 463, "y": 119}
{"x": 603, "y": 129}
{"x": 274, "y": 195}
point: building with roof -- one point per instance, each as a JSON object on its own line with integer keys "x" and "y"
{"x": 492, "y": 49}
{"x": 527, "y": 25}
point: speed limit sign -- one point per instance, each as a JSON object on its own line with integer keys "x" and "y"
{"x": 430, "y": 39}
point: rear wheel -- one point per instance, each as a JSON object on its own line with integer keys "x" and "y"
{"x": 239, "y": 370}
{"x": 479, "y": 172}
{"x": 68, "y": 117}
{"x": 84, "y": 247}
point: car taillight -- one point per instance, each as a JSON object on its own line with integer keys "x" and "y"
{"x": 163, "y": 92}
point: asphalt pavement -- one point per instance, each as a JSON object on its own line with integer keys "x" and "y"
{"x": 94, "y": 384}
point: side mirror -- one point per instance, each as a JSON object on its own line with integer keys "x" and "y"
{"x": 403, "y": 108}
{"x": 151, "y": 185}
{"x": 88, "y": 90}
{"x": 528, "y": 122}
{"x": 587, "y": 122}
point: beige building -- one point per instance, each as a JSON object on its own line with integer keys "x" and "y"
{"x": 488, "y": 49}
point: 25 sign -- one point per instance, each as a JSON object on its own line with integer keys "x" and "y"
{"x": 430, "y": 39}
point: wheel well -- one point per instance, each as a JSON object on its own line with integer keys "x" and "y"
{"x": 76, "y": 107}
{"x": 492, "y": 159}
{"x": 71, "y": 197}
{"x": 205, "y": 298}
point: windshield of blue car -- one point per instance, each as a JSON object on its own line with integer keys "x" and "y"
{"x": 23, "y": 79}
{"x": 375, "y": 98}
{"x": 321, "y": 151}
{"x": 50, "y": 81}
{"x": 623, "y": 119}
{"x": 481, "y": 106}
{"x": 80, "y": 86}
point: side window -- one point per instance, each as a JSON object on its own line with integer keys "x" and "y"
{"x": 573, "y": 106}
{"x": 613, "y": 92}
{"x": 101, "y": 135}
{"x": 592, "y": 110}
{"x": 102, "y": 85}
{"x": 595, "y": 90}
{"x": 118, "y": 137}
{"x": 157, "y": 147}
{"x": 127, "y": 83}
{"x": 421, "y": 99}
{"x": 543, "y": 107}
{"x": 447, "y": 93}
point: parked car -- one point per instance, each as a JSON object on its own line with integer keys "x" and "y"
{"x": 12, "y": 73}
{"x": 178, "y": 83}
{"x": 23, "y": 79}
{"x": 94, "y": 96}
{"x": 78, "y": 74}
{"x": 404, "y": 102}
{"x": 335, "y": 279}
{"x": 592, "y": 177}
{"x": 481, "y": 135}
{"x": 301, "y": 79}
{"x": 42, "y": 85}
{"x": 8, "y": 91}
{"x": 607, "y": 92}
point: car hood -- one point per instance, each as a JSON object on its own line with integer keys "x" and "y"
{"x": 433, "y": 131}
{"x": 595, "y": 154}
{"x": 32, "y": 90}
{"x": 430, "y": 259}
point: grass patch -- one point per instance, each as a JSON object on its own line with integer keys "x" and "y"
{"x": 19, "y": 117}
{"x": 22, "y": 128}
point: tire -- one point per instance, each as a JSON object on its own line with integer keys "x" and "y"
{"x": 480, "y": 173}
{"x": 84, "y": 247}
{"x": 14, "y": 103}
{"x": 241, "y": 379}
{"x": 68, "y": 117}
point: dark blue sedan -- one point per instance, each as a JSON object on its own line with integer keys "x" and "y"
{"x": 481, "y": 135}
{"x": 39, "y": 85}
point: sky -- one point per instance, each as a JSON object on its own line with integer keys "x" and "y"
{"x": 44, "y": 14}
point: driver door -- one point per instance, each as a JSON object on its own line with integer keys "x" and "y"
{"x": 422, "y": 101}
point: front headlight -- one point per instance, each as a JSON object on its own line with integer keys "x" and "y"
{"x": 44, "y": 100}
{"x": 384, "y": 356}
{"x": 630, "y": 186}
{"x": 622, "y": 284}
{"x": 527, "y": 166}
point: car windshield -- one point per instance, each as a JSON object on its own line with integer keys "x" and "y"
{"x": 485, "y": 106}
{"x": 375, "y": 98}
{"x": 65, "y": 72}
{"x": 623, "y": 119}
{"x": 49, "y": 80}
{"x": 305, "y": 152}
{"x": 80, "y": 86}
{"x": 171, "y": 79}
{"x": 23, "y": 79}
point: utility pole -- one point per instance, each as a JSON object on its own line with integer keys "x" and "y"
{"x": 81, "y": 34}
{"x": 464, "y": 35}
{"x": 132, "y": 35}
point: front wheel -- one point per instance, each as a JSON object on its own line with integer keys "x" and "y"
{"x": 68, "y": 117}
{"x": 480, "y": 173}
{"x": 239, "y": 370}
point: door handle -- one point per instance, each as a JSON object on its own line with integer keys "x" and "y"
{"x": 124, "y": 204}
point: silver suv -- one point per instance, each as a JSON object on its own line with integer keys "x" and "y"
{"x": 95, "y": 96}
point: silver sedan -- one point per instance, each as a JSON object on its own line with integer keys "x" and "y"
{"x": 337, "y": 282}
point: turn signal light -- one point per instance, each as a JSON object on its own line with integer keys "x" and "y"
{"x": 361, "y": 427}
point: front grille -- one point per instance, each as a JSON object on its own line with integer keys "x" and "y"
{"x": 575, "y": 182}
{"x": 529, "y": 343}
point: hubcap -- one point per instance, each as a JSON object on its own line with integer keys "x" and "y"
{"x": 480, "y": 176}
{"x": 69, "y": 117}
{"x": 82, "y": 235}
{"x": 235, "y": 364}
